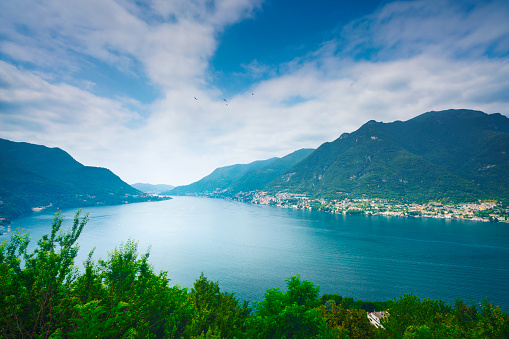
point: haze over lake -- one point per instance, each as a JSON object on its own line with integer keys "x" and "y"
{"x": 250, "y": 248}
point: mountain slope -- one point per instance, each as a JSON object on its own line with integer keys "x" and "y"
{"x": 46, "y": 161}
{"x": 457, "y": 155}
{"x": 220, "y": 179}
{"x": 230, "y": 180}
{"x": 153, "y": 189}
{"x": 258, "y": 178}
{"x": 38, "y": 176}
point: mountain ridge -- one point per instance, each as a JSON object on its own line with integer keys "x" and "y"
{"x": 152, "y": 188}
{"x": 233, "y": 179}
{"x": 36, "y": 176}
{"x": 452, "y": 155}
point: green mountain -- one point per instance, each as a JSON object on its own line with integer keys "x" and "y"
{"x": 33, "y": 176}
{"x": 153, "y": 189}
{"x": 455, "y": 155}
{"x": 233, "y": 179}
{"x": 258, "y": 178}
{"x": 221, "y": 179}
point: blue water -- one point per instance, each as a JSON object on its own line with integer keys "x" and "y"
{"x": 250, "y": 248}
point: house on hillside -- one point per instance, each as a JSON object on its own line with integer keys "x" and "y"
{"x": 375, "y": 317}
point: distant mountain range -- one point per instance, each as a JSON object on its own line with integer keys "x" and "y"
{"x": 453, "y": 155}
{"x": 233, "y": 179}
{"x": 153, "y": 189}
{"x": 36, "y": 176}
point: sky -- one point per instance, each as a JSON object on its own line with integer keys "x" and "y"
{"x": 165, "y": 91}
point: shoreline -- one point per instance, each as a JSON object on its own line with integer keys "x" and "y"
{"x": 481, "y": 211}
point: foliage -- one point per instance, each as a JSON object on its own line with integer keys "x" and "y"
{"x": 217, "y": 311}
{"x": 409, "y": 317}
{"x": 43, "y": 295}
{"x": 35, "y": 287}
{"x": 291, "y": 314}
{"x": 348, "y": 323}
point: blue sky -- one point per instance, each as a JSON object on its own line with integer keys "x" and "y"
{"x": 277, "y": 33}
{"x": 114, "y": 82}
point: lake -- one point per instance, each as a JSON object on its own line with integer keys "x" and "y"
{"x": 250, "y": 248}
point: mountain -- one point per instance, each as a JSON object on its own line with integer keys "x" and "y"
{"x": 36, "y": 176}
{"x": 220, "y": 179}
{"x": 259, "y": 177}
{"x": 233, "y": 179}
{"x": 456, "y": 155}
{"x": 453, "y": 155}
{"x": 153, "y": 189}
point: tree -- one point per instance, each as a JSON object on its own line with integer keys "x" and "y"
{"x": 42, "y": 295}
{"x": 493, "y": 323}
{"x": 216, "y": 311}
{"x": 35, "y": 288}
{"x": 291, "y": 314}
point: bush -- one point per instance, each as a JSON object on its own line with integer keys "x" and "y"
{"x": 42, "y": 295}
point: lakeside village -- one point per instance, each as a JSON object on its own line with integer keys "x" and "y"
{"x": 486, "y": 211}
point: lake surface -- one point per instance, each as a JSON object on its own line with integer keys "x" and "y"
{"x": 250, "y": 248}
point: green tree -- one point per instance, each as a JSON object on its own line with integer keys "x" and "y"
{"x": 336, "y": 318}
{"x": 411, "y": 318}
{"x": 124, "y": 295}
{"x": 35, "y": 287}
{"x": 358, "y": 325}
{"x": 493, "y": 323}
{"x": 348, "y": 323}
{"x": 216, "y": 311}
{"x": 409, "y": 310}
{"x": 42, "y": 295}
{"x": 291, "y": 314}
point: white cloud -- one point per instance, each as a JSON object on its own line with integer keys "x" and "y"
{"x": 217, "y": 13}
{"x": 58, "y": 114}
{"x": 448, "y": 28}
{"x": 257, "y": 70}
{"x": 170, "y": 51}
{"x": 428, "y": 56}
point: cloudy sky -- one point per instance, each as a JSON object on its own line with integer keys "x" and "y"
{"x": 139, "y": 87}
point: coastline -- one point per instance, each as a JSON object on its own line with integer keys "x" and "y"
{"x": 482, "y": 211}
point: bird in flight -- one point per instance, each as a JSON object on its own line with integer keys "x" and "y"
{"x": 195, "y": 98}
{"x": 252, "y": 93}
{"x": 225, "y": 100}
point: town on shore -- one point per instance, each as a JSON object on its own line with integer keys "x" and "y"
{"x": 486, "y": 211}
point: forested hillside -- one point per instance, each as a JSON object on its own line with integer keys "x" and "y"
{"x": 233, "y": 179}
{"x": 454, "y": 155}
{"x": 36, "y": 176}
{"x": 448, "y": 156}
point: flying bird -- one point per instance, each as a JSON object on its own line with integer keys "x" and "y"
{"x": 225, "y": 100}
{"x": 195, "y": 98}
{"x": 252, "y": 93}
